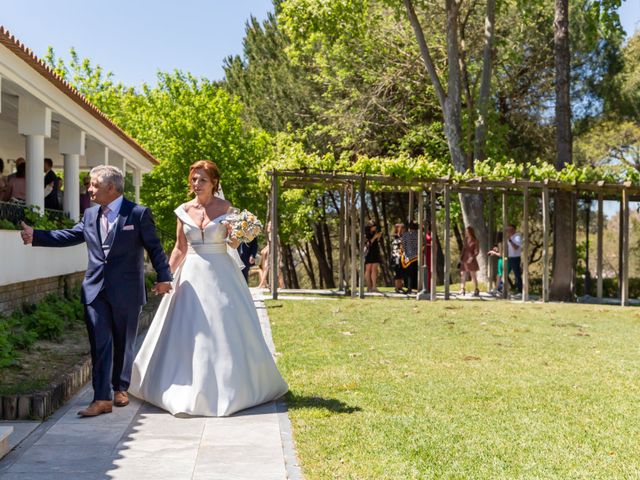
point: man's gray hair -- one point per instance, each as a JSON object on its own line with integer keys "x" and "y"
{"x": 109, "y": 174}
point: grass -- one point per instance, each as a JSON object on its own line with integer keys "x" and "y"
{"x": 400, "y": 389}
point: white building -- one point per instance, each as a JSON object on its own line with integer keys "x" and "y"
{"x": 41, "y": 116}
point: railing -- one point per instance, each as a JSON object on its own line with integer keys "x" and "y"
{"x": 17, "y": 212}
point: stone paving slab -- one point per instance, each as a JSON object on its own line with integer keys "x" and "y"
{"x": 140, "y": 442}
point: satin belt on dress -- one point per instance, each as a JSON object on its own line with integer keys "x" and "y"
{"x": 208, "y": 248}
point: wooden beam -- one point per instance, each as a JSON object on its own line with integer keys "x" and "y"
{"x": 624, "y": 293}
{"x": 273, "y": 248}
{"x": 411, "y": 203}
{"x": 599, "y": 256}
{"x": 363, "y": 207}
{"x": 525, "y": 245}
{"x": 447, "y": 243}
{"x": 421, "y": 263}
{"x": 491, "y": 274}
{"x": 505, "y": 247}
{"x": 341, "y": 241}
{"x": 545, "y": 244}
{"x": 434, "y": 249}
{"x": 354, "y": 244}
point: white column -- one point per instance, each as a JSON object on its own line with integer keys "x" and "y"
{"x": 71, "y": 145}
{"x": 71, "y": 200}
{"x": 35, "y": 171}
{"x": 137, "y": 181}
{"x": 0, "y": 93}
{"x": 34, "y": 121}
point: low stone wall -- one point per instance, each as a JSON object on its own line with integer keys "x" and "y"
{"x": 14, "y": 295}
{"x": 41, "y": 404}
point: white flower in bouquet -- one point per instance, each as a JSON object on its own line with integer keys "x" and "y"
{"x": 245, "y": 226}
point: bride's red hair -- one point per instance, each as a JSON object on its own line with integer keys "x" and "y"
{"x": 212, "y": 171}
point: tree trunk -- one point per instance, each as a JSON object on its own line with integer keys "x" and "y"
{"x": 562, "y": 285}
{"x": 318, "y": 247}
{"x": 450, "y": 102}
{"x": 485, "y": 84}
{"x": 305, "y": 257}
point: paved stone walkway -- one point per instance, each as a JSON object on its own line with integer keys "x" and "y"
{"x": 143, "y": 442}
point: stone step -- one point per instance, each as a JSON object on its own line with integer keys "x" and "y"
{"x": 4, "y": 440}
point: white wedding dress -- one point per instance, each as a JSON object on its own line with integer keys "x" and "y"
{"x": 204, "y": 353}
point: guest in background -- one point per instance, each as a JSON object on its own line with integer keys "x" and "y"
{"x": 372, "y": 256}
{"x": 247, "y": 252}
{"x": 468, "y": 261}
{"x": 4, "y": 183}
{"x": 514, "y": 252}
{"x": 265, "y": 261}
{"x": 51, "y": 186}
{"x": 496, "y": 252}
{"x": 19, "y": 160}
{"x": 17, "y": 185}
{"x": 410, "y": 256}
{"x": 85, "y": 196}
{"x": 396, "y": 257}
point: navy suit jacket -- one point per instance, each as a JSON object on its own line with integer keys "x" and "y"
{"x": 246, "y": 250}
{"x": 121, "y": 272}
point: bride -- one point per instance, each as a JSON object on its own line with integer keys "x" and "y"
{"x": 204, "y": 353}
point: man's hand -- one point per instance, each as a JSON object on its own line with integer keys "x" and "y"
{"x": 252, "y": 260}
{"x": 26, "y": 233}
{"x": 161, "y": 288}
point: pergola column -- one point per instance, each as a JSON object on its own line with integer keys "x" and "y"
{"x": 525, "y": 246}
{"x": 599, "y": 255}
{"x": 546, "y": 226}
{"x": 273, "y": 247}
{"x": 71, "y": 146}
{"x": 34, "y": 121}
{"x": 363, "y": 207}
{"x": 505, "y": 247}
{"x": 447, "y": 242}
{"x": 624, "y": 254}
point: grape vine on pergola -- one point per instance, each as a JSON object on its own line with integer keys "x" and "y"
{"x": 353, "y": 187}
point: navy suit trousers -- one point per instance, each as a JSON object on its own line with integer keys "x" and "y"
{"x": 112, "y": 332}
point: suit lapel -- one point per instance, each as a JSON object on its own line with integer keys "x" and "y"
{"x": 123, "y": 214}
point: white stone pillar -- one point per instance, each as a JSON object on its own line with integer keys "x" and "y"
{"x": 71, "y": 200}
{"x": 35, "y": 171}
{"x": 71, "y": 145}
{"x": 34, "y": 121}
{"x": 137, "y": 181}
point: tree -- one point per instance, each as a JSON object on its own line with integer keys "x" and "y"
{"x": 451, "y": 106}
{"x": 562, "y": 283}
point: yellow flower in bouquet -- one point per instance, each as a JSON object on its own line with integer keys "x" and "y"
{"x": 245, "y": 226}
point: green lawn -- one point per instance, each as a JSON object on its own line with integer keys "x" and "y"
{"x": 400, "y": 389}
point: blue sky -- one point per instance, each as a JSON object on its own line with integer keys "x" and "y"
{"x": 136, "y": 38}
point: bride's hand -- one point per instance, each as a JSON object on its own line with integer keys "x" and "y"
{"x": 233, "y": 242}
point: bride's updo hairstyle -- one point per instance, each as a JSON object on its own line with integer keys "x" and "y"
{"x": 212, "y": 171}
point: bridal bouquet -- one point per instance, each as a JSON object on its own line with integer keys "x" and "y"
{"x": 245, "y": 226}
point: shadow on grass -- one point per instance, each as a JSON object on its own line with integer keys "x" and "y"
{"x": 296, "y": 402}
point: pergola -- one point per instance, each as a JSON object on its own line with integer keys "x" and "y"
{"x": 352, "y": 220}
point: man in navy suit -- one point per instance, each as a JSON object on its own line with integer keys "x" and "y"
{"x": 247, "y": 252}
{"x": 117, "y": 233}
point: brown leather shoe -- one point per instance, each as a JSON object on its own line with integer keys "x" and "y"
{"x": 121, "y": 399}
{"x": 96, "y": 408}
